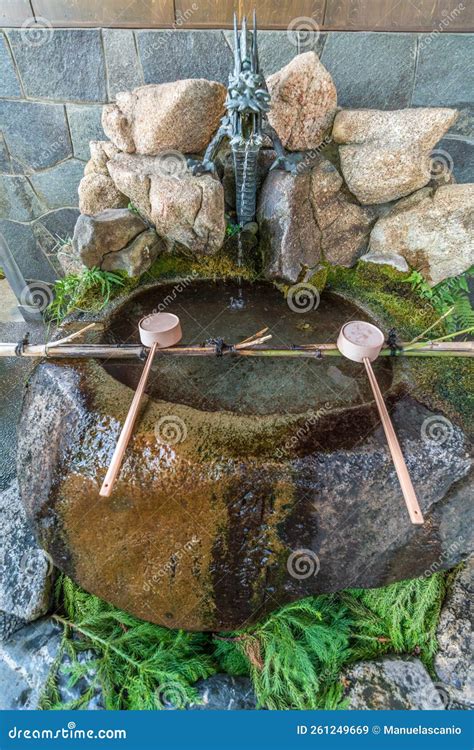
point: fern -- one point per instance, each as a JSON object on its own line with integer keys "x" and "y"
{"x": 294, "y": 657}
{"x": 401, "y": 617}
{"x": 137, "y": 665}
{"x": 450, "y": 293}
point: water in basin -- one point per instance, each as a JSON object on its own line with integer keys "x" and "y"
{"x": 247, "y": 385}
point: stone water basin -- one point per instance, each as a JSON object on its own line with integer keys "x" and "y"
{"x": 249, "y": 482}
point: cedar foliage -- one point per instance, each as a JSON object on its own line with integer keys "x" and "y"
{"x": 295, "y": 656}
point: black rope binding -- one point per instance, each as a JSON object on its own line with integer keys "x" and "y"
{"x": 220, "y": 346}
{"x": 20, "y": 347}
{"x": 392, "y": 342}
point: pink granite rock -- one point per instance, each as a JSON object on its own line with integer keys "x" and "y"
{"x": 181, "y": 116}
{"x": 304, "y": 102}
{"x": 388, "y": 155}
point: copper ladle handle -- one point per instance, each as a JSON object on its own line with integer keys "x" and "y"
{"x": 411, "y": 500}
{"x": 127, "y": 428}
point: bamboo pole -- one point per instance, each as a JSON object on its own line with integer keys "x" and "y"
{"x": 57, "y": 350}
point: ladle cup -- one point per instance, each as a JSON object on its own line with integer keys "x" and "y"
{"x": 157, "y": 331}
{"x": 362, "y": 342}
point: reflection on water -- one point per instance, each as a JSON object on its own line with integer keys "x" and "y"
{"x": 248, "y": 385}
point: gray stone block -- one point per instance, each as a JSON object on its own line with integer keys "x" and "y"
{"x": 123, "y": 68}
{"x": 460, "y": 155}
{"x": 18, "y": 201}
{"x": 5, "y": 161}
{"x": 31, "y": 260}
{"x": 444, "y": 74}
{"x": 25, "y": 662}
{"x": 68, "y": 66}
{"x": 9, "y": 84}
{"x": 53, "y": 231}
{"x": 85, "y": 125}
{"x": 277, "y": 48}
{"x": 371, "y": 70}
{"x": 25, "y": 583}
{"x": 57, "y": 187}
{"x": 453, "y": 662}
{"x": 171, "y": 54}
{"x": 36, "y": 134}
{"x": 391, "y": 684}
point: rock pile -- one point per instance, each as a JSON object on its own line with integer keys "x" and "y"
{"x": 369, "y": 184}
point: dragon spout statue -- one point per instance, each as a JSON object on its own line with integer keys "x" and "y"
{"x": 245, "y": 123}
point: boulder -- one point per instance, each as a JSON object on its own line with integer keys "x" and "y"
{"x": 69, "y": 260}
{"x": 229, "y": 492}
{"x": 431, "y": 230}
{"x": 97, "y": 191}
{"x": 453, "y": 662}
{"x": 25, "y": 583}
{"x": 115, "y": 239}
{"x": 303, "y": 102}
{"x": 182, "y": 115}
{"x": 25, "y": 664}
{"x": 344, "y": 224}
{"x": 137, "y": 256}
{"x": 309, "y": 215}
{"x": 387, "y": 155}
{"x": 290, "y": 237}
{"x": 184, "y": 208}
{"x": 391, "y": 684}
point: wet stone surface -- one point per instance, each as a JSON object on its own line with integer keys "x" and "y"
{"x": 220, "y": 516}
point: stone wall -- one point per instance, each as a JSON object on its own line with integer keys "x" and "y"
{"x": 53, "y": 85}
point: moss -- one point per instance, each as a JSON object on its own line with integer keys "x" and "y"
{"x": 380, "y": 289}
{"x": 319, "y": 278}
{"x": 445, "y": 384}
{"x": 219, "y": 266}
{"x": 442, "y": 384}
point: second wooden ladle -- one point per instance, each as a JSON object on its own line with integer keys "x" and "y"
{"x": 362, "y": 342}
{"x": 157, "y": 331}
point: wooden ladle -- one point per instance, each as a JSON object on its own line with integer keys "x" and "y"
{"x": 157, "y": 331}
{"x": 362, "y": 342}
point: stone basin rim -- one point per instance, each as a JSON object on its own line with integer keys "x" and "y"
{"x": 117, "y": 306}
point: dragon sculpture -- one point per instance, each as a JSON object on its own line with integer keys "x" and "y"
{"x": 245, "y": 124}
